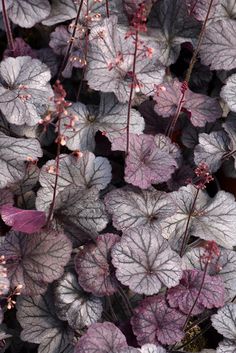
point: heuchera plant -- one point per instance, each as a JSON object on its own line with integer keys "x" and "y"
{"x": 117, "y": 176}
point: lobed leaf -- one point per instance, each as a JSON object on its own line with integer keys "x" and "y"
{"x": 102, "y": 338}
{"x": 14, "y": 152}
{"x": 85, "y": 171}
{"x": 93, "y": 267}
{"x": 144, "y": 261}
{"x": 184, "y": 295}
{"x": 155, "y": 322}
{"x": 75, "y": 306}
{"x": 38, "y": 317}
{"x": 24, "y": 89}
{"x": 141, "y": 208}
{"x": 27, "y": 221}
{"x": 36, "y": 260}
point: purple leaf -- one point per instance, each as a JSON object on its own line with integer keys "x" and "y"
{"x": 202, "y": 108}
{"x": 155, "y": 322}
{"x": 102, "y": 338}
{"x": 183, "y": 296}
{"x": 141, "y": 208}
{"x": 27, "y": 221}
{"x": 110, "y": 62}
{"x": 144, "y": 261}
{"x": 24, "y": 93}
{"x": 219, "y": 47}
{"x": 38, "y": 318}
{"x": 14, "y": 152}
{"x": 146, "y": 164}
{"x": 93, "y": 268}
{"x": 74, "y": 305}
{"x": 223, "y": 265}
{"x": 83, "y": 122}
{"x": 21, "y": 48}
{"x": 36, "y": 260}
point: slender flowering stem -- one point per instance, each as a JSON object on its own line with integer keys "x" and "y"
{"x": 186, "y": 233}
{"x": 198, "y": 295}
{"x": 85, "y": 53}
{"x": 61, "y": 106}
{"x": 189, "y": 72}
{"x": 7, "y": 26}
{"x": 50, "y": 214}
{"x": 131, "y": 92}
{"x": 71, "y": 42}
{"x": 107, "y": 8}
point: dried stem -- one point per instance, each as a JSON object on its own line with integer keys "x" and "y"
{"x": 131, "y": 91}
{"x": 7, "y": 26}
{"x": 71, "y": 42}
{"x": 186, "y": 234}
{"x": 189, "y": 72}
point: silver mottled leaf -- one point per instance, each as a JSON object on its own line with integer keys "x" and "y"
{"x": 211, "y": 149}
{"x": 110, "y": 61}
{"x": 38, "y": 318}
{"x": 77, "y": 307}
{"x": 146, "y": 208}
{"x": 24, "y": 89}
{"x": 85, "y": 171}
{"x": 26, "y": 13}
{"x": 111, "y": 119}
{"x": 225, "y": 321}
{"x": 172, "y": 26}
{"x": 35, "y": 260}
{"x": 211, "y": 219}
{"x": 14, "y": 152}
{"x": 219, "y": 45}
{"x": 144, "y": 261}
{"x": 82, "y": 208}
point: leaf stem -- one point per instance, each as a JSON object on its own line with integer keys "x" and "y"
{"x": 71, "y": 41}
{"x": 189, "y": 72}
{"x": 7, "y": 25}
{"x": 126, "y": 301}
{"x": 186, "y": 234}
{"x": 131, "y": 92}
